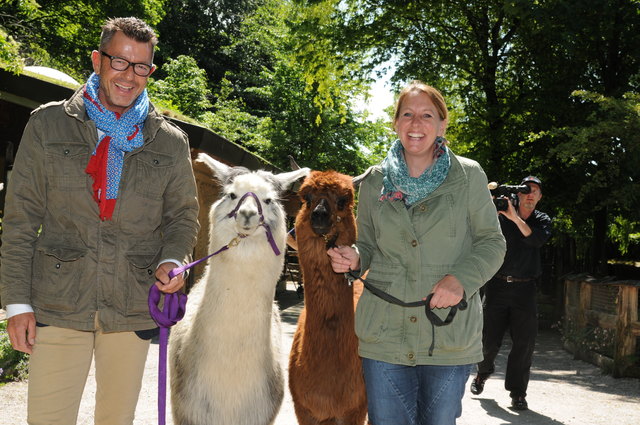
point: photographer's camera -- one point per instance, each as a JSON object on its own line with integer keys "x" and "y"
{"x": 505, "y": 193}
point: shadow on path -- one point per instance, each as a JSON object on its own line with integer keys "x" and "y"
{"x": 512, "y": 416}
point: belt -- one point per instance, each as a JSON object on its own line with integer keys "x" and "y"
{"x": 511, "y": 279}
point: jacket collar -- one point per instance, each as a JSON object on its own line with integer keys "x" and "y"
{"x": 455, "y": 179}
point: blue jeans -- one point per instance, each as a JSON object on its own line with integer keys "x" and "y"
{"x": 414, "y": 395}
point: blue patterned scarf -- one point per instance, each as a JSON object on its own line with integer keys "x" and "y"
{"x": 122, "y": 133}
{"x": 397, "y": 184}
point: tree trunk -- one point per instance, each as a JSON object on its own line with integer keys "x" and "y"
{"x": 599, "y": 247}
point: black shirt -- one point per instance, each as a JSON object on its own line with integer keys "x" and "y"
{"x": 522, "y": 259}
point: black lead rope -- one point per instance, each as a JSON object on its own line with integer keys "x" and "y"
{"x": 433, "y": 318}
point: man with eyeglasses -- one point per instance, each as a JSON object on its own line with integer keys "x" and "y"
{"x": 101, "y": 205}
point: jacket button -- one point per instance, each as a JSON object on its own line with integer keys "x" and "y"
{"x": 414, "y": 243}
{"x": 423, "y": 208}
{"x": 413, "y": 319}
{"x": 66, "y": 151}
{"x": 156, "y": 162}
{"x": 58, "y": 266}
{"x": 411, "y": 356}
{"x": 150, "y": 272}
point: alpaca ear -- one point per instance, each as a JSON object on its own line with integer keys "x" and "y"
{"x": 358, "y": 179}
{"x": 286, "y": 179}
{"x": 292, "y": 163}
{"x": 221, "y": 171}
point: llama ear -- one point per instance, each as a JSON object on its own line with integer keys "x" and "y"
{"x": 221, "y": 171}
{"x": 358, "y": 179}
{"x": 286, "y": 179}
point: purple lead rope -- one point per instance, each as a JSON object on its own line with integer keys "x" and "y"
{"x": 173, "y": 310}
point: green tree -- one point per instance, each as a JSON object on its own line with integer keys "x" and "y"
{"x": 234, "y": 123}
{"x": 62, "y": 33}
{"x": 595, "y": 47}
{"x": 467, "y": 50}
{"x": 184, "y": 87}
{"x": 268, "y": 106}
{"x": 338, "y": 140}
{"x": 596, "y": 167}
{"x": 204, "y": 30}
{"x": 14, "y": 18}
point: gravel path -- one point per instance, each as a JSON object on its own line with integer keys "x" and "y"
{"x": 561, "y": 391}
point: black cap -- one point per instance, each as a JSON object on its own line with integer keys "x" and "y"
{"x": 532, "y": 179}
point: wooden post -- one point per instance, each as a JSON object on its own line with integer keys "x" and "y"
{"x": 583, "y": 305}
{"x": 625, "y": 344}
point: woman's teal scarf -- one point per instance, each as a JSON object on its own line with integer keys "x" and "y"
{"x": 397, "y": 184}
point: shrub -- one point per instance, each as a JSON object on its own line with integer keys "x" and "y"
{"x": 590, "y": 338}
{"x": 13, "y": 364}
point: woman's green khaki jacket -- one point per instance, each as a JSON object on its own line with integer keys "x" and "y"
{"x": 455, "y": 231}
{"x": 58, "y": 256}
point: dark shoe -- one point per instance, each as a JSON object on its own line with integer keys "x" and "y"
{"x": 477, "y": 385}
{"x": 519, "y": 403}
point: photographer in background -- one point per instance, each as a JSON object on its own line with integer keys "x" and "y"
{"x": 510, "y": 296}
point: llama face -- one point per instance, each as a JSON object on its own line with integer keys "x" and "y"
{"x": 249, "y": 211}
{"x": 243, "y": 214}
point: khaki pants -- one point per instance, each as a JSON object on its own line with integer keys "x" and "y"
{"x": 59, "y": 367}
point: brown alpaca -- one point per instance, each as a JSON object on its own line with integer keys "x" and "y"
{"x": 325, "y": 372}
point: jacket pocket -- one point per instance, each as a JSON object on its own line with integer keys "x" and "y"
{"x": 142, "y": 274}
{"x": 464, "y": 332}
{"x": 56, "y": 278}
{"x": 66, "y": 163}
{"x": 152, "y": 173}
{"x": 374, "y": 320}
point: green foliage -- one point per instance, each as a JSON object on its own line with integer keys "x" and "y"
{"x": 268, "y": 106}
{"x": 9, "y": 52}
{"x": 184, "y": 87}
{"x": 507, "y": 70}
{"x": 329, "y": 71}
{"x": 294, "y": 129}
{"x": 14, "y": 17}
{"x": 232, "y": 122}
{"x": 13, "y": 364}
{"x": 467, "y": 51}
{"x": 204, "y": 30}
{"x": 602, "y": 153}
{"x": 61, "y": 33}
{"x": 624, "y": 233}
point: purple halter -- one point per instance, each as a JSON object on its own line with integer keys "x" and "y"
{"x": 234, "y": 213}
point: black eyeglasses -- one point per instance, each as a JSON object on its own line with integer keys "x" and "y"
{"x": 120, "y": 64}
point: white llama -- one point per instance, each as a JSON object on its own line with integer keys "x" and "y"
{"x": 225, "y": 354}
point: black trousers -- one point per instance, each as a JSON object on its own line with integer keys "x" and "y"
{"x": 510, "y": 306}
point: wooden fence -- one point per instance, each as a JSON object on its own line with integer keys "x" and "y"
{"x": 601, "y": 323}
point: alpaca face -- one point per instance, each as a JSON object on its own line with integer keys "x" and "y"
{"x": 325, "y": 210}
{"x": 328, "y": 202}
